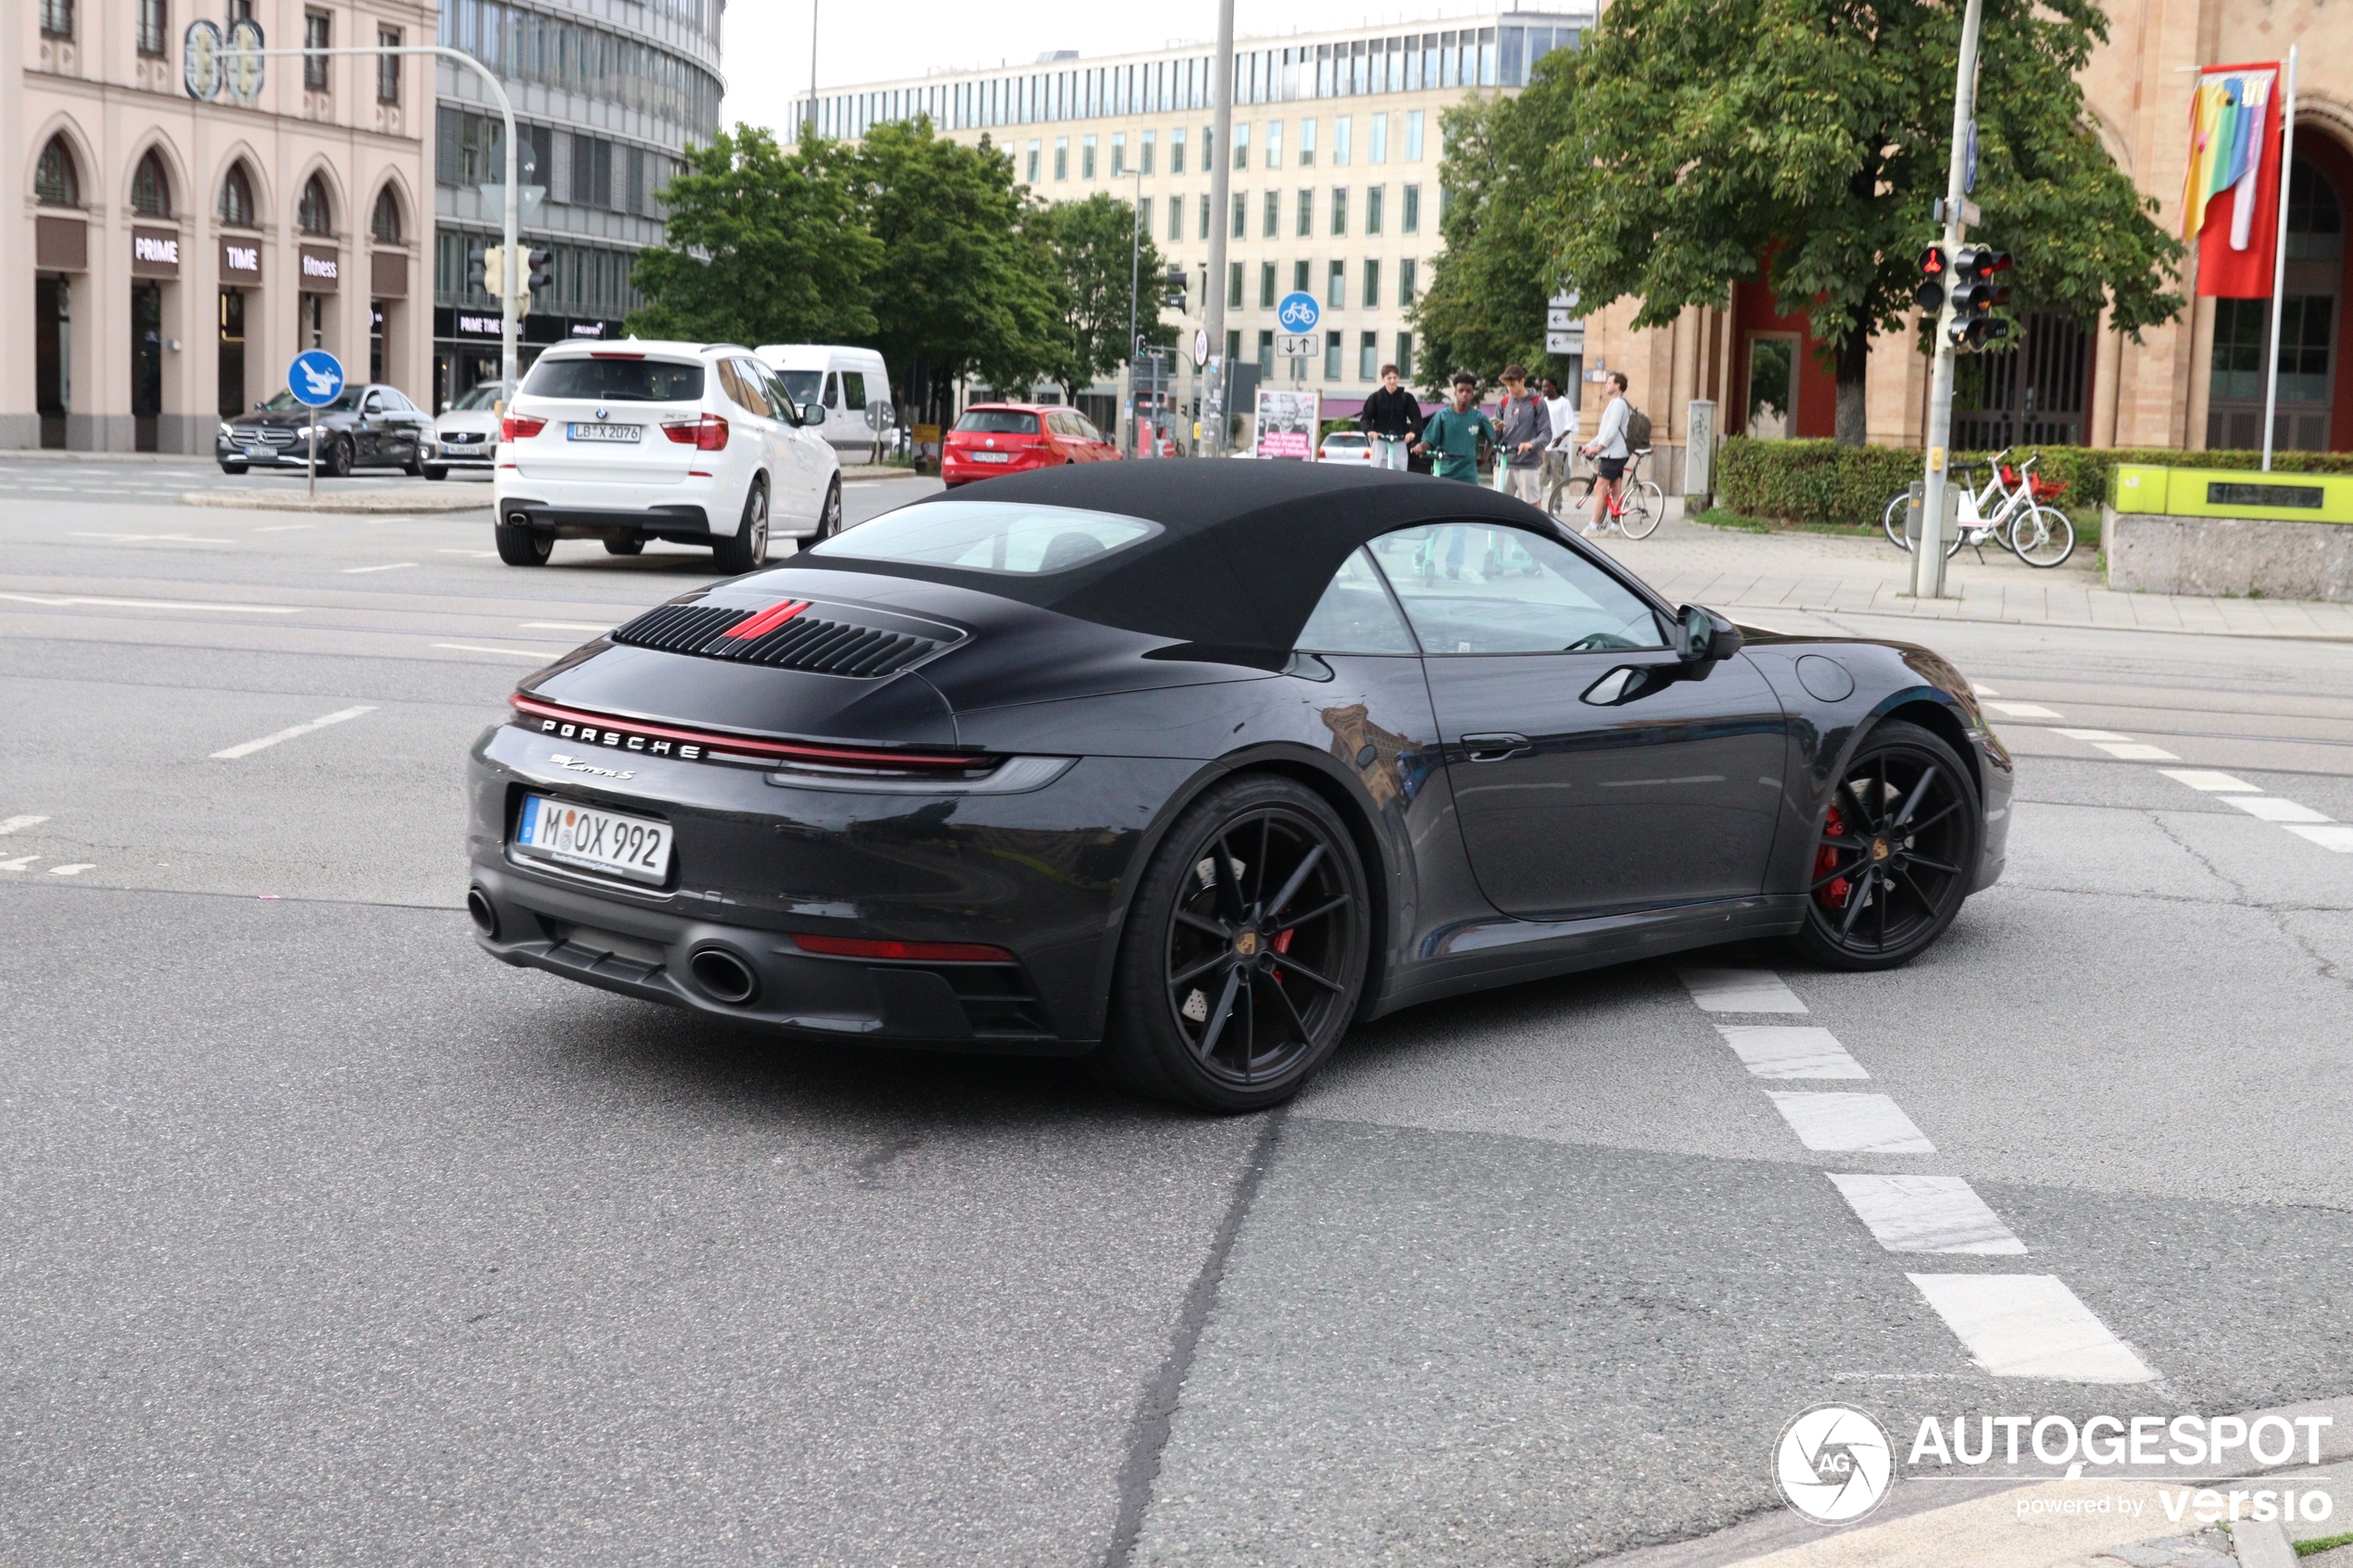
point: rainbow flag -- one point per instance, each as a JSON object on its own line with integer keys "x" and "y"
{"x": 2234, "y": 170}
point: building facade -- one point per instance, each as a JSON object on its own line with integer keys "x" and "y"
{"x": 169, "y": 257}
{"x": 1334, "y": 187}
{"x": 608, "y": 94}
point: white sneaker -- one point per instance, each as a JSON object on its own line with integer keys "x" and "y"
{"x": 1592, "y": 531}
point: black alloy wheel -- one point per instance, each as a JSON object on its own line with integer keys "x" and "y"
{"x": 1245, "y": 953}
{"x": 1896, "y": 854}
{"x": 523, "y": 546}
{"x": 436, "y": 471}
{"x": 232, "y": 470}
{"x": 829, "y": 515}
{"x": 337, "y": 458}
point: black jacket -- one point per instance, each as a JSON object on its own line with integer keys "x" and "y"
{"x": 1391, "y": 413}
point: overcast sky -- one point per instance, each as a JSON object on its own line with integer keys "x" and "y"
{"x": 766, "y": 41}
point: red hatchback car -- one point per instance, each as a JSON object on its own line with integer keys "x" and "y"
{"x": 995, "y": 438}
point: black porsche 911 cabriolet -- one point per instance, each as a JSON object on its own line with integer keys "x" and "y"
{"x": 1190, "y": 766}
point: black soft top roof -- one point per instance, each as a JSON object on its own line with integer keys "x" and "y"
{"x": 1245, "y": 549}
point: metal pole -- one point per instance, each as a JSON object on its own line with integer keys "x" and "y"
{"x": 1928, "y": 555}
{"x": 514, "y": 193}
{"x": 310, "y": 466}
{"x": 1221, "y": 89}
{"x": 813, "y": 67}
{"x": 1135, "y": 283}
{"x": 2279, "y": 254}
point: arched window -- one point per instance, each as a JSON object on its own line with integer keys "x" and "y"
{"x": 151, "y": 187}
{"x": 313, "y": 215}
{"x": 56, "y": 180}
{"x": 236, "y": 198}
{"x": 385, "y": 223}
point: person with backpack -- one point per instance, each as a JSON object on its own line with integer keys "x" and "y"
{"x": 1611, "y": 445}
{"x": 1527, "y": 428}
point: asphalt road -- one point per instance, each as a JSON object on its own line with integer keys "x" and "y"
{"x": 331, "y": 1240}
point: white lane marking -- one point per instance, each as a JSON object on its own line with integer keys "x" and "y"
{"x": 1846, "y": 1123}
{"x": 2022, "y": 710}
{"x": 1790, "y": 1051}
{"x": 73, "y": 870}
{"x": 2031, "y": 1325}
{"x": 66, "y": 601}
{"x": 393, "y": 566}
{"x": 1982, "y": 690}
{"x": 2332, "y": 836}
{"x": 542, "y": 656}
{"x": 2272, "y": 809}
{"x": 562, "y": 626}
{"x": 248, "y": 747}
{"x": 449, "y": 552}
{"x": 157, "y": 538}
{"x": 19, "y": 863}
{"x": 1741, "y": 990}
{"x": 2135, "y": 752}
{"x": 17, "y": 824}
{"x": 2210, "y": 781}
{"x": 284, "y": 527}
{"x": 2091, "y": 735}
{"x": 1926, "y": 1214}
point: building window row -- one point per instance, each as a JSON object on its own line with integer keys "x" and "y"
{"x": 522, "y": 46}
{"x": 1409, "y": 136}
{"x": 1369, "y": 360}
{"x": 577, "y": 169}
{"x": 1369, "y": 294}
{"x": 1487, "y": 57}
{"x": 1336, "y": 209}
{"x": 56, "y": 182}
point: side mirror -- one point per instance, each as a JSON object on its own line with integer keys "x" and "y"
{"x": 813, "y": 412}
{"x": 1705, "y": 637}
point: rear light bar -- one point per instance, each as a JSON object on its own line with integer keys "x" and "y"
{"x": 706, "y": 434}
{"x": 919, "y": 952}
{"x": 520, "y": 427}
{"x": 711, "y": 746}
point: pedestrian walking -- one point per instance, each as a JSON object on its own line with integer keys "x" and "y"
{"x": 1391, "y": 417}
{"x": 1455, "y": 431}
{"x": 1563, "y": 447}
{"x": 1609, "y": 451}
{"x": 1526, "y": 425}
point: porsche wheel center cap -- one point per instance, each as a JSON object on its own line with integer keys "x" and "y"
{"x": 1879, "y": 850}
{"x": 1246, "y": 945}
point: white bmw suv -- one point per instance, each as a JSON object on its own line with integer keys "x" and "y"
{"x": 632, "y": 440}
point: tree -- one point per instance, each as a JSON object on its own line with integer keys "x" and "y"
{"x": 967, "y": 284}
{"x": 1092, "y": 241}
{"x": 1693, "y": 144}
{"x": 763, "y": 247}
{"x": 1484, "y": 307}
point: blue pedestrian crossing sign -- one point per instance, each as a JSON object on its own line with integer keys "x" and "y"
{"x": 314, "y": 377}
{"x": 1299, "y": 312}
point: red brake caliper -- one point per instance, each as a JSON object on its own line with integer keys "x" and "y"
{"x": 1834, "y": 893}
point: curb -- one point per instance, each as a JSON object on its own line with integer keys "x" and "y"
{"x": 2263, "y": 1545}
{"x": 868, "y": 473}
{"x": 279, "y": 501}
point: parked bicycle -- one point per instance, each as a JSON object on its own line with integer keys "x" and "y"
{"x": 2009, "y": 510}
{"x": 1639, "y": 504}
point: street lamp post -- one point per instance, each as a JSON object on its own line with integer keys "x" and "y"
{"x": 1221, "y": 88}
{"x": 1928, "y": 551}
{"x": 1134, "y": 283}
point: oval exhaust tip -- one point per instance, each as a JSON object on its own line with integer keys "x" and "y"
{"x": 724, "y": 975}
{"x": 485, "y": 917}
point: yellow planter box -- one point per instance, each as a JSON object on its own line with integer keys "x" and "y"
{"x": 2239, "y": 493}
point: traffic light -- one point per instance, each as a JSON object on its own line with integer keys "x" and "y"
{"x": 1173, "y": 298}
{"x": 542, "y": 270}
{"x": 1935, "y": 271}
{"x": 494, "y": 271}
{"x": 474, "y": 266}
{"x": 1981, "y": 281}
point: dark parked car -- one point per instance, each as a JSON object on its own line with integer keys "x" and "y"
{"x": 367, "y": 426}
{"x": 1192, "y": 765}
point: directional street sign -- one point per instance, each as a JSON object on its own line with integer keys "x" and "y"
{"x": 1296, "y": 345}
{"x": 1297, "y": 312}
{"x": 314, "y": 377}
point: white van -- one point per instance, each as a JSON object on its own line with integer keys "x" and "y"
{"x": 852, "y": 386}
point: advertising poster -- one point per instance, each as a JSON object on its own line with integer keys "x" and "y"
{"x": 1286, "y": 423}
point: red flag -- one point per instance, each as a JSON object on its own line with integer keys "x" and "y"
{"x": 2235, "y": 152}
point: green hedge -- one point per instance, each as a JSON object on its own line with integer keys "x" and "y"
{"x": 1820, "y": 481}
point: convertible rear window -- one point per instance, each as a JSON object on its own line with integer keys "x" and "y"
{"x": 997, "y": 421}
{"x": 621, "y": 380}
{"x": 990, "y": 536}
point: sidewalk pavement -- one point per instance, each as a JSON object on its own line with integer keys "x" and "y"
{"x": 1854, "y": 574}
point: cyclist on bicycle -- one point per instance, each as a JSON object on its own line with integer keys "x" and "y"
{"x": 1391, "y": 417}
{"x": 1608, "y": 450}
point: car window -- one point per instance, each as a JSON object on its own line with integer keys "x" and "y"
{"x": 853, "y": 388}
{"x": 833, "y": 391}
{"x": 616, "y": 379}
{"x": 1475, "y": 587}
{"x": 397, "y": 404}
{"x": 802, "y": 387}
{"x": 997, "y": 421}
{"x": 375, "y": 404}
{"x": 485, "y": 395}
{"x": 1087, "y": 430}
{"x": 1355, "y": 615}
{"x": 781, "y": 396}
{"x": 990, "y": 536}
{"x": 751, "y": 388}
{"x": 283, "y": 402}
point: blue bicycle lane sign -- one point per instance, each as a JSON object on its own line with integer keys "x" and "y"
{"x": 1299, "y": 312}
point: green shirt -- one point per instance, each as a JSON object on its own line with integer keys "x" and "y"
{"x": 1455, "y": 436}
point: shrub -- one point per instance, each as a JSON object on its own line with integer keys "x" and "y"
{"x": 1820, "y": 481}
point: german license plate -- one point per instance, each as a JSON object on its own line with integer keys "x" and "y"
{"x": 261, "y": 451}
{"x": 992, "y": 456}
{"x": 605, "y": 432}
{"x": 632, "y": 848}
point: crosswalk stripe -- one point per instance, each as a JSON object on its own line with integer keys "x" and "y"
{"x": 2210, "y": 781}
{"x": 2031, "y": 1325}
{"x": 1790, "y": 1051}
{"x": 2272, "y": 809}
{"x": 1926, "y": 1214}
{"x": 1741, "y": 990}
{"x": 1849, "y": 1123}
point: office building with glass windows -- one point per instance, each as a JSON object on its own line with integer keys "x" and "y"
{"x": 608, "y": 94}
{"x": 1335, "y": 157}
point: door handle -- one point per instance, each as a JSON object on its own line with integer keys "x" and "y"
{"x": 1495, "y": 749}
